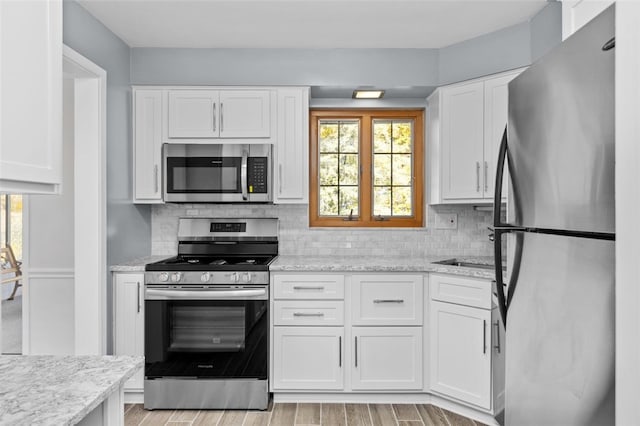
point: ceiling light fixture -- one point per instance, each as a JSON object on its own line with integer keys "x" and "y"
{"x": 368, "y": 94}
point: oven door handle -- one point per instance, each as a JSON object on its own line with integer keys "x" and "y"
{"x": 153, "y": 294}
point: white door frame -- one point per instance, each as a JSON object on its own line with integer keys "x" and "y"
{"x": 90, "y": 183}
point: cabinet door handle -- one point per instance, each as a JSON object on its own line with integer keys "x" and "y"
{"x": 339, "y": 351}
{"x": 138, "y": 297}
{"x": 297, "y": 287}
{"x": 155, "y": 178}
{"x": 486, "y": 176}
{"x": 308, "y": 314}
{"x": 280, "y": 179}
{"x": 221, "y": 117}
{"x": 484, "y": 336}
{"x": 388, "y": 300}
{"x": 497, "y": 346}
{"x": 214, "y": 116}
{"x": 356, "y": 350}
{"x": 477, "y": 176}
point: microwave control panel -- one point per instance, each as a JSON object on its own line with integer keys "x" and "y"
{"x": 257, "y": 174}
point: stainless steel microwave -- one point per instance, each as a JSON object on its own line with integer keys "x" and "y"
{"x": 217, "y": 173}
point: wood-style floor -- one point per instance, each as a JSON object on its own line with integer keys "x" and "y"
{"x": 281, "y": 414}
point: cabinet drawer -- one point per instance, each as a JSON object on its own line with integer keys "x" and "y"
{"x": 293, "y": 312}
{"x": 387, "y": 299}
{"x": 460, "y": 290}
{"x": 295, "y": 286}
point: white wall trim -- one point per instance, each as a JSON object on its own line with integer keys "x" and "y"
{"x": 90, "y": 92}
{"x": 627, "y": 98}
{"x": 33, "y": 273}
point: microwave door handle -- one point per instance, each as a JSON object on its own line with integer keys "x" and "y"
{"x": 243, "y": 174}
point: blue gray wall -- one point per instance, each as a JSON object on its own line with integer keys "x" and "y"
{"x": 546, "y": 30}
{"x": 128, "y": 225}
{"x": 502, "y": 50}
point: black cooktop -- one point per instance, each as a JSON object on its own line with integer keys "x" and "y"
{"x": 212, "y": 263}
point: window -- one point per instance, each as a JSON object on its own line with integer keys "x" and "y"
{"x": 366, "y": 168}
{"x": 11, "y": 223}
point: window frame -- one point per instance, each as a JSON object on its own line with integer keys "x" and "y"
{"x": 366, "y": 219}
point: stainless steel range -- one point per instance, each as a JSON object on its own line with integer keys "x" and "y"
{"x": 206, "y": 317}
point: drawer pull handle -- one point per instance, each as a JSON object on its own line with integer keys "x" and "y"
{"x": 308, "y": 314}
{"x": 484, "y": 336}
{"x": 356, "y": 350}
{"x": 388, "y": 300}
{"x": 296, "y": 287}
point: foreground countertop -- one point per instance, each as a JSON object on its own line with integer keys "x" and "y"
{"x": 381, "y": 264}
{"x": 59, "y": 390}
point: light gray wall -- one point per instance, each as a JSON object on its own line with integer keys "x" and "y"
{"x": 500, "y": 50}
{"x": 546, "y": 30}
{"x": 128, "y": 225}
{"x": 314, "y": 67}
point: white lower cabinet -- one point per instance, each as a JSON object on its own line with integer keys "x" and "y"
{"x": 460, "y": 356}
{"x": 308, "y": 358}
{"x": 387, "y": 358}
{"x": 368, "y": 338}
{"x": 467, "y": 358}
{"x": 128, "y": 318}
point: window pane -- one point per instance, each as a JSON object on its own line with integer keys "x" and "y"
{"x": 349, "y": 135}
{"x": 328, "y": 169}
{"x": 401, "y": 201}
{"x": 402, "y": 136}
{"x": 402, "y": 169}
{"x": 3, "y": 219}
{"x": 328, "y": 136}
{"x": 349, "y": 169}
{"x": 328, "y": 201}
{"x": 348, "y": 200}
{"x": 381, "y": 136}
{"x": 382, "y": 169}
{"x": 15, "y": 224}
{"x": 382, "y": 201}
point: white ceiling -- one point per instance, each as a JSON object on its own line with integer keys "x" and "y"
{"x": 306, "y": 23}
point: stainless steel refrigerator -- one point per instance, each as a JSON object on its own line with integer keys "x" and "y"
{"x": 558, "y": 306}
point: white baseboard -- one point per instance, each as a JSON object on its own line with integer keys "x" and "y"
{"x": 135, "y": 397}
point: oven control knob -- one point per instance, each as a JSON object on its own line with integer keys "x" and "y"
{"x": 235, "y": 277}
{"x": 246, "y": 277}
{"x": 205, "y": 277}
{"x": 175, "y": 277}
{"x": 164, "y": 277}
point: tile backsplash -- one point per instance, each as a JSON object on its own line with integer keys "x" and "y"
{"x": 296, "y": 238}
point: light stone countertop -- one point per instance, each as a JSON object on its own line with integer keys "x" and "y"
{"x": 59, "y": 390}
{"x": 137, "y": 265}
{"x": 381, "y": 264}
{"x": 294, "y": 263}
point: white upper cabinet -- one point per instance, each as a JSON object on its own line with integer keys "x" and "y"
{"x": 462, "y": 135}
{"x": 218, "y": 114}
{"x": 147, "y": 146}
{"x": 496, "y": 109}
{"x": 291, "y": 165}
{"x": 31, "y": 101}
{"x": 465, "y": 124}
{"x": 576, "y": 13}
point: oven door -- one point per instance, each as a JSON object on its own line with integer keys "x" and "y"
{"x": 217, "y": 173}
{"x": 195, "y": 334}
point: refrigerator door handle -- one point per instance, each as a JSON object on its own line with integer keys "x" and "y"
{"x": 497, "y": 232}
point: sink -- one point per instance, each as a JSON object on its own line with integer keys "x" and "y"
{"x": 456, "y": 262}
